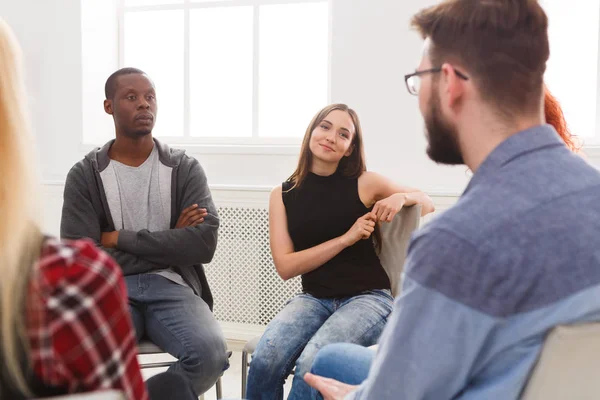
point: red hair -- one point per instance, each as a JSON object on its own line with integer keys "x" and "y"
{"x": 556, "y": 118}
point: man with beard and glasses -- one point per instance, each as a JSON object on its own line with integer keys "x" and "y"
{"x": 519, "y": 253}
{"x": 150, "y": 208}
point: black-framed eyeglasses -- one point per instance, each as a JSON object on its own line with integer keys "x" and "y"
{"x": 413, "y": 81}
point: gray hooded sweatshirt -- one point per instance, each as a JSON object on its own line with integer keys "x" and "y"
{"x": 86, "y": 214}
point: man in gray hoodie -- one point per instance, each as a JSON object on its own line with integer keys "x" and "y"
{"x": 150, "y": 208}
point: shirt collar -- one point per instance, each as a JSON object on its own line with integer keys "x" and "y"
{"x": 516, "y": 146}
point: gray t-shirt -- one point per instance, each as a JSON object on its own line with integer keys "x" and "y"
{"x": 140, "y": 198}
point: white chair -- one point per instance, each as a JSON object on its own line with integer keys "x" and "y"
{"x": 395, "y": 239}
{"x": 568, "y": 366}
{"x": 147, "y": 347}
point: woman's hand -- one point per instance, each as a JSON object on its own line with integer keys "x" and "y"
{"x": 362, "y": 229}
{"x": 385, "y": 209}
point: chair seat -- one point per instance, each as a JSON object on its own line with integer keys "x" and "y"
{"x": 250, "y": 347}
{"x": 147, "y": 347}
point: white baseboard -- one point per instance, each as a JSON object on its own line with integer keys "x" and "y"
{"x": 237, "y": 335}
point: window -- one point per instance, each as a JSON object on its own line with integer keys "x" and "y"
{"x": 229, "y": 71}
{"x": 572, "y": 73}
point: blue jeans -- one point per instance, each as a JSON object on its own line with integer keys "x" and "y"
{"x": 344, "y": 362}
{"x": 170, "y": 385}
{"x": 181, "y": 324}
{"x": 304, "y": 326}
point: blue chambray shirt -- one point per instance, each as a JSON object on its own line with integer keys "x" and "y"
{"x": 487, "y": 280}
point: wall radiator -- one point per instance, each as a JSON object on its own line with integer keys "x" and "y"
{"x": 242, "y": 277}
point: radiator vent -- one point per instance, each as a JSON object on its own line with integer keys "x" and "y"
{"x": 242, "y": 277}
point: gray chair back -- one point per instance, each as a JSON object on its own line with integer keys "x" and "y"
{"x": 568, "y": 366}
{"x": 395, "y": 237}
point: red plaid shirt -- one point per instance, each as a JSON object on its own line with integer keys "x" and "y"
{"x": 79, "y": 327}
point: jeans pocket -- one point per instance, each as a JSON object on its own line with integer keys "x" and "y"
{"x": 385, "y": 293}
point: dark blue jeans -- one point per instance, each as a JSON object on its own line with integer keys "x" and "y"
{"x": 344, "y": 362}
{"x": 304, "y": 326}
{"x": 170, "y": 385}
{"x": 181, "y": 324}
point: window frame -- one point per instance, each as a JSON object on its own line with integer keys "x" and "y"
{"x": 224, "y": 145}
{"x": 590, "y": 143}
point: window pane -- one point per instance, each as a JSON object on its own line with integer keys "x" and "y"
{"x": 154, "y": 44}
{"x": 221, "y": 72}
{"x": 99, "y": 46}
{"x": 131, "y": 3}
{"x": 293, "y": 63}
{"x": 572, "y": 73}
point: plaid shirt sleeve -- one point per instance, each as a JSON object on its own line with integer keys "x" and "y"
{"x": 79, "y": 328}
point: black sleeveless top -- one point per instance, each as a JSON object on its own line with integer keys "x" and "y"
{"x": 323, "y": 208}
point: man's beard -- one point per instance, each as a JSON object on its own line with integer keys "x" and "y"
{"x": 443, "y": 147}
{"x": 142, "y": 132}
{"x": 137, "y": 133}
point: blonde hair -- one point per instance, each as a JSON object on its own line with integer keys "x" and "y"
{"x": 20, "y": 238}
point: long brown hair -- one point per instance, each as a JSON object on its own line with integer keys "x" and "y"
{"x": 351, "y": 166}
{"x": 555, "y": 117}
{"x": 20, "y": 239}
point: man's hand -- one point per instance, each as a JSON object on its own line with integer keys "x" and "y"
{"x": 191, "y": 216}
{"x": 330, "y": 389}
{"x": 109, "y": 239}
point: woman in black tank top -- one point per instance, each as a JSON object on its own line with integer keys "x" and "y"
{"x": 323, "y": 226}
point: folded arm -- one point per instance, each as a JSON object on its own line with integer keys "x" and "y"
{"x": 80, "y": 220}
{"x": 179, "y": 247}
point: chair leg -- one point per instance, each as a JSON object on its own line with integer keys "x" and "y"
{"x": 219, "y": 389}
{"x": 244, "y": 372}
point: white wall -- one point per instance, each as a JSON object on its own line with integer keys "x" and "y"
{"x": 50, "y": 34}
{"x": 372, "y": 49}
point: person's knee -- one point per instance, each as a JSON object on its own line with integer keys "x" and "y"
{"x": 205, "y": 363}
{"x": 328, "y": 356}
{"x": 208, "y": 358}
{"x": 306, "y": 359}
{"x": 345, "y": 362}
{"x": 270, "y": 363}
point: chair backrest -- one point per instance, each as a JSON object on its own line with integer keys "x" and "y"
{"x": 395, "y": 237}
{"x": 569, "y": 365}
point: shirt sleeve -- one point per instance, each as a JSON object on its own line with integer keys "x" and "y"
{"x": 431, "y": 341}
{"x": 88, "y": 331}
